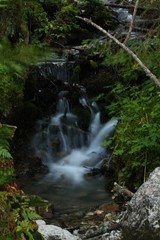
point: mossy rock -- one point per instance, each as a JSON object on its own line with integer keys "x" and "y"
{"x": 76, "y": 73}
{"x": 93, "y": 64}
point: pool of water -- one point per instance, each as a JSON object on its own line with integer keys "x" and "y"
{"x": 69, "y": 197}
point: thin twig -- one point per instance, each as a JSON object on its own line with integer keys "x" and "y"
{"x": 132, "y": 23}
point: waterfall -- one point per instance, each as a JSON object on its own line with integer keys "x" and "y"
{"x": 67, "y": 149}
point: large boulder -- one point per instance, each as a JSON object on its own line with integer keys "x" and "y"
{"x": 52, "y": 232}
{"x": 141, "y": 219}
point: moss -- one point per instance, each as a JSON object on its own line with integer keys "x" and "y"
{"x": 76, "y": 73}
{"x": 93, "y": 64}
{"x": 37, "y": 236}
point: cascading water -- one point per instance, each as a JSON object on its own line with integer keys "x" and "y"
{"x": 69, "y": 145}
{"x": 65, "y": 148}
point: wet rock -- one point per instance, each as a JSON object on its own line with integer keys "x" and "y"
{"x": 99, "y": 226}
{"x": 142, "y": 216}
{"x": 52, "y": 232}
{"x": 104, "y": 231}
{"x": 113, "y": 235}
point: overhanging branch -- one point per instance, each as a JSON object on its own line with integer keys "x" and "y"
{"x": 128, "y": 50}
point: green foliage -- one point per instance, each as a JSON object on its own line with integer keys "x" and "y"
{"x": 35, "y": 21}
{"x": 65, "y": 25}
{"x": 116, "y": 59}
{"x": 136, "y": 102}
{"x": 150, "y": 53}
{"x": 6, "y": 162}
{"x": 4, "y": 153}
{"x": 97, "y": 11}
{"x": 13, "y": 69}
{"x": 6, "y": 171}
{"x": 65, "y": 22}
{"x": 11, "y": 84}
{"x": 136, "y": 151}
{"x": 24, "y": 21}
{"x": 96, "y": 47}
{"x": 17, "y": 215}
{"x": 5, "y": 136}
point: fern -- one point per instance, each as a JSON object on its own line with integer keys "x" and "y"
{"x": 4, "y": 153}
{"x": 6, "y": 134}
{"x": 6, "y": 162}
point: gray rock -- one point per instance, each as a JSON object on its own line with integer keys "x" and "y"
{"x": 141, "y": 220}
{"x": 52, "y": 232}
{"x": 113, "y": 235}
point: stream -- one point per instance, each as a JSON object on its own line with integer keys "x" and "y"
{"x": 70, "y": 153}
{"x": 73, "y": 154}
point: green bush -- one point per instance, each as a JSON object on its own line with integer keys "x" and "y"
{"x": 136, "y": 151}
{"x": 14, "y": 64}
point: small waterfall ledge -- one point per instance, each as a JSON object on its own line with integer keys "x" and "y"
{"x": 65, "y": 148}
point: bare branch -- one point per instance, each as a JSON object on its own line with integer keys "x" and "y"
{"x": 114, "y": 5}
{"x": 128, "y": 50}
{"x": 147, "y": 21}
{"x": 132, "y": 22}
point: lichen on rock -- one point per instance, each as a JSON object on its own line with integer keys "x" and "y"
{"x": 141, "y": 220}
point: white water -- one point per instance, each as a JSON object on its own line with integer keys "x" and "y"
{"x": 66, "y": 149}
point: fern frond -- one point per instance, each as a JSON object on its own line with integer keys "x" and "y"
{"x": 4, "y": 153}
